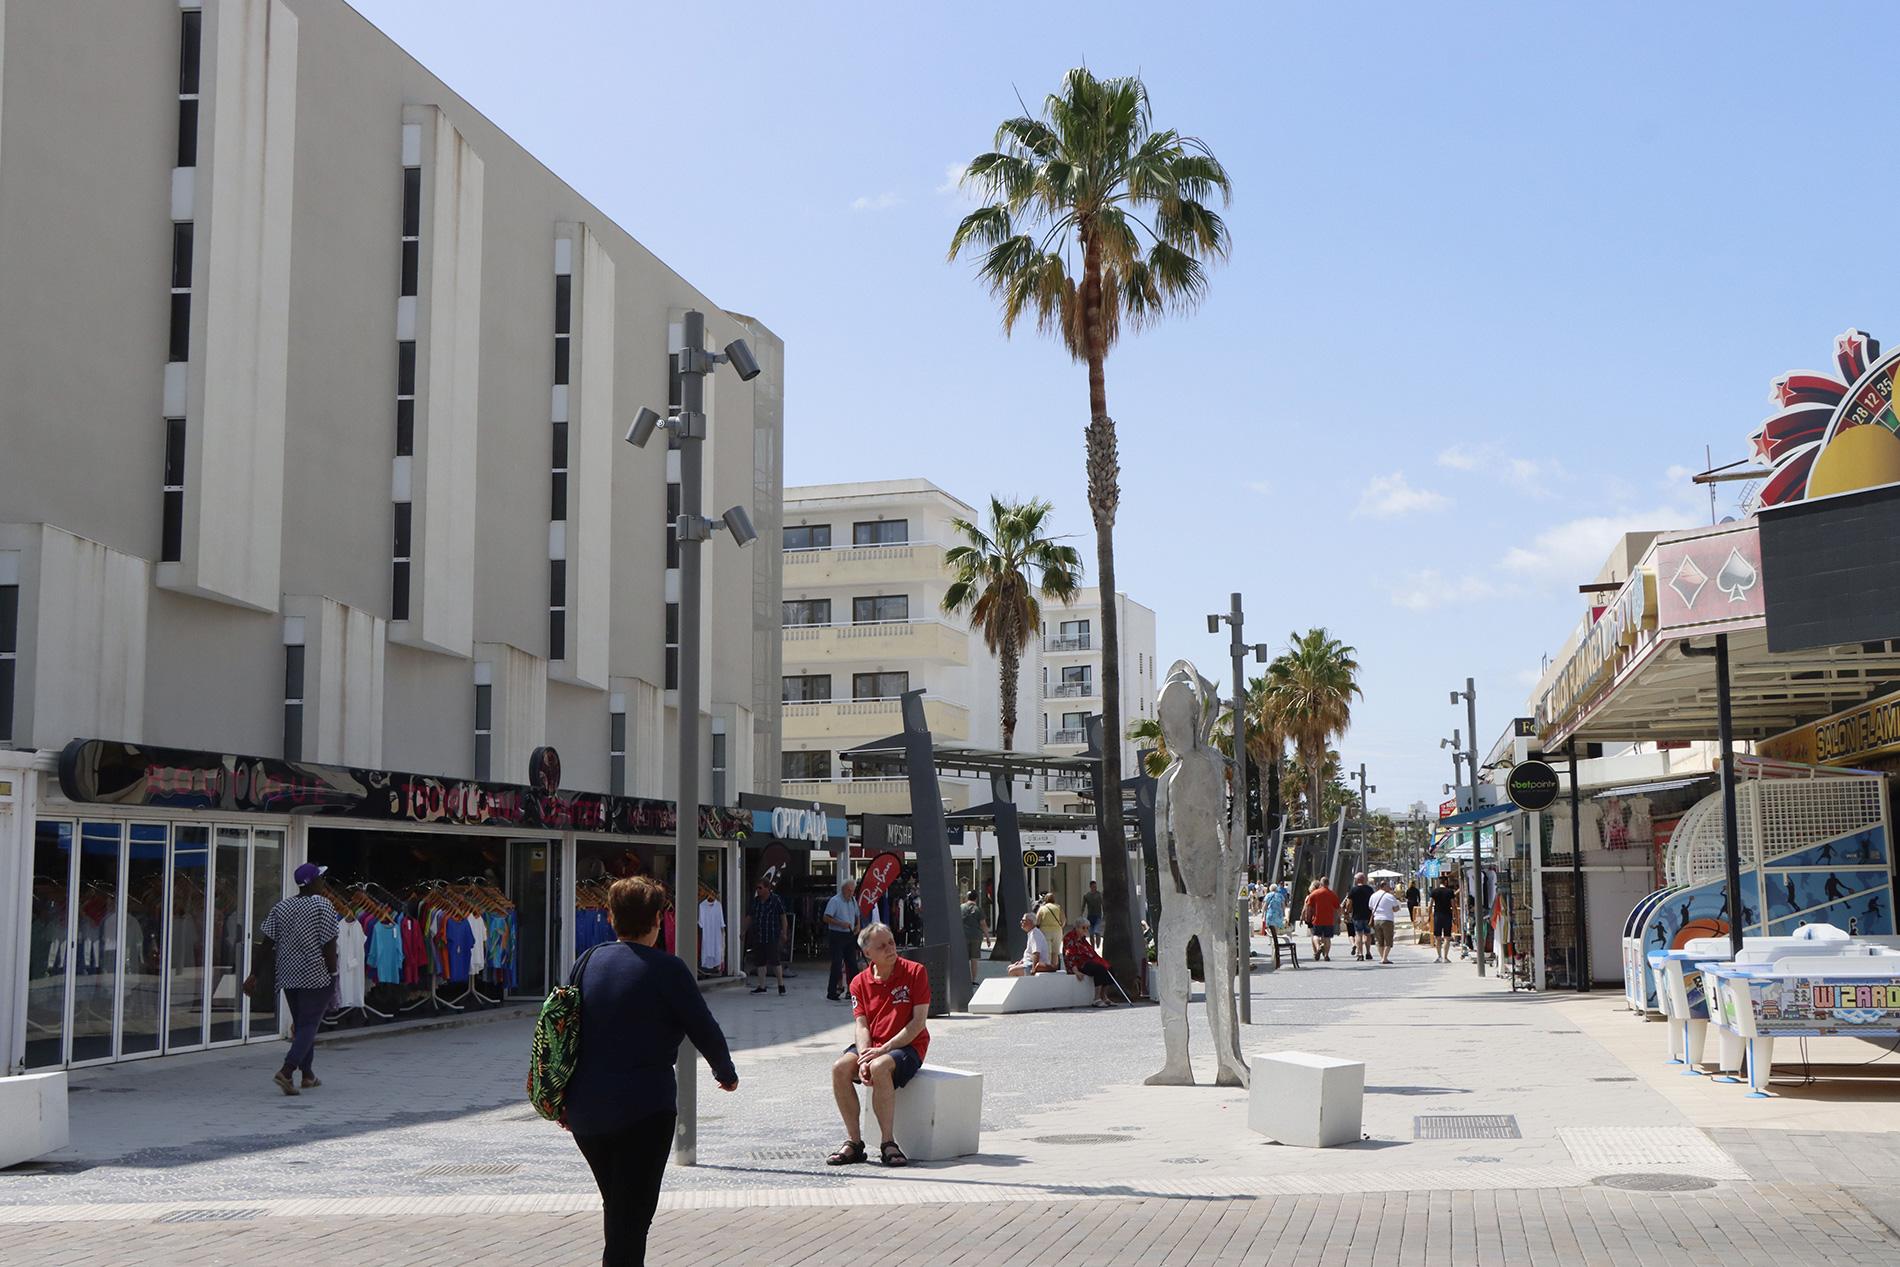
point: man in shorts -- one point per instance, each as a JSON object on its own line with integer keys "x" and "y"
{"x": 889, "y": 1001}
{"x": 765, "y": 932}
{"x": 1385, "y": 915}
{"x": 1321, "y": 914}
{"x": 1359, "y": 911}
{"x": 1092, "y": 907}
{"x": 1443, "y": 896}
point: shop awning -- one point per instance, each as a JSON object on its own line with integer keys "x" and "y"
{"x": 1646, "y": 789}
{"x": 1479, "y": 817}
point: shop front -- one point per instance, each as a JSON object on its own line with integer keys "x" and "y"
{"x": 139, "y": 876}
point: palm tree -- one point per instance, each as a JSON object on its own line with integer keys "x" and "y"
{"x": 1145, "y": 732}
{"x": 997, "y": 576}
{"x": 1312, "y": 684}
{"x": 1094, "y": 220}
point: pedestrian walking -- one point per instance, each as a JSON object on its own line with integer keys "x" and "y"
{"x": 1049, "y": 920}
{"x": 765, "y": 929}
{"x": 1320, "y": 914}
{"x": 1274, "y": 921}
{"x": 974, "y": 927}
{"x": 637, "y": 1004}
{"x": 1359, "y": 916}
{"x": 1092, "y": 907}
{"x": 1385, "y": 915}
{"x": 1411, "y": 901}
{"x": 841, "y": 930}
{"x": 1443, "y": 898}
{"x": 890, "y": 1000}
{"x": 302, "y": 933}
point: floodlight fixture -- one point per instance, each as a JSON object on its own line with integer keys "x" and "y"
{"x": 645, "y": 423}
{"x": 1213, "y": 624}
{"x": 739, "y": 524}
{"x": 740, "y": 357}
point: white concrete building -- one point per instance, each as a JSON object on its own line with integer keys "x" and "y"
{"x": 315, "y": 517}
{"x": 864, "y": 583}
{"x": 1070, "y": 681}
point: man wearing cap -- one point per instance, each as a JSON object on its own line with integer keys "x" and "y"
{"x": 303, "y": 930}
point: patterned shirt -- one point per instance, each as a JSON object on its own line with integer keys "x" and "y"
{"x": 301, "y": 927}
{"x": 767, "y": 914}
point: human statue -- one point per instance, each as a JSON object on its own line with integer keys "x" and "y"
{"x": 1200, "y": 874}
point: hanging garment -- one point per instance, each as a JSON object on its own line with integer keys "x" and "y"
{"x": 415, "y": 951}
{"x": 386, "y": 959}
{"x": 461, "y": 945}
{"x": 668, "y": 922}
{"x": 349, "y": 964}
{"x": 712, "y": 935}
{"x": 478, "y": 936}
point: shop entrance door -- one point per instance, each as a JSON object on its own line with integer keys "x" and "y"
{"x": 534, "y": 879}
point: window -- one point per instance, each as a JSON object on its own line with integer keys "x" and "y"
{"x": 1075, "y": 628}
{"x": 557, "y": 450}
{"x": 672, "y": 525}
{"x": 719, "y": 761}
{"x": 190, "y": 23}
{"x": 1077, "y": 677}
{"x": 808, "y": 688}
{"x": 617, "y": 746}
{"x": 807, "y": 611}
{"x": 1075, "y": 721}
{"x": 805, "y": 765}
{"x": 557, "y": 609}
{"x": 172, "y": 527}
{"x": 882, "y": 532}
{"x": 672, "y": 646}
{"x": 181, "y": 256}
{"x": 484, "y": 720}
{"x": 412, "y": 202}
{"x": 187, "y": 155}
{"x": 179, "y": 345}
{"x": 407, "y": 279}
{"x": 399, "y": 571}
{"x": 880, "y": 609}
{"x": 879, "y": 685}
{"x": 293, "y": 690}
{"x": 9, "y": 647}
{"x": 808, "y": 537}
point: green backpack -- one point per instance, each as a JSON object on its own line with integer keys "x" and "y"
{"x": 556, "y": 1048}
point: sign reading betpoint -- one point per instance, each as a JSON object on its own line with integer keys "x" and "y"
{"x": 878, "y": 878}
{"x": 1531, "y": 785}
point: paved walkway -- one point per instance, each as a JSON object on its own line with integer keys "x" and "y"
{"x": 420, "y": 1144}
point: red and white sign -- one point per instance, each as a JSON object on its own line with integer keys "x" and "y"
{"x": 1447, "y": 808}
{"x": 878, "y": 878}
{"x": 1709, "y": 581}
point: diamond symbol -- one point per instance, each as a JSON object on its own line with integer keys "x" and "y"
{"x": 1688, "y": 581}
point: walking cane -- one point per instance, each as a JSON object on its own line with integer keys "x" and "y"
{"x": 1118, "y": 989}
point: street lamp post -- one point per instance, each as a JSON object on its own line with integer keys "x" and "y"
{"x": 1237, "y": 648}
{"x": 1470, "y": 696}
{"x": 1365, "y": 813}
{"x": 688, "y": 425}
{"x": 1464, "y": 767}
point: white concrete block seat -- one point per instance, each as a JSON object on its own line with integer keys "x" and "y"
{"x": 32, "y": 1117}
{"x": 1044, "y": 992}
{"x": 939, "y": 1115}
{"x": 1306, "y": 1101}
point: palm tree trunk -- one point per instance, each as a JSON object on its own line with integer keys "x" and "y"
{"x": 1012, "y": 671}
{"x": 1104, "y": 492}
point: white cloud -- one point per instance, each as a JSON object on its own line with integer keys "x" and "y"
{"x": 1389, "y": 495}
{"x": 1461, "y": 457}
{"x": 1261, "y": 488}
{"x": 1423, "y": 591}
{"x": 1532, "y": 475}
{"x": 1575, "y": 550}
{"x": 881, "y": 202}
{"x": 1677, "y": 474}
{"x": 953, "y": 178}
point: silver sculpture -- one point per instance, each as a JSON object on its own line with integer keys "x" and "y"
{"x": 1200, "y": 874}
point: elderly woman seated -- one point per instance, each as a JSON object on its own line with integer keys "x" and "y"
{"x": 1080, "y": 957}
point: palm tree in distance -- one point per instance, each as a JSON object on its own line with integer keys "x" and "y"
{"x": 997, "y": 576}
{"x": 1145, "y": 732}
{"x": 1095, "y": 221}
{"x": 1312, "y": 685}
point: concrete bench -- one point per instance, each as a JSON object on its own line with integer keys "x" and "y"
{"x": 1044, "y": 992}
{"x": 32, "y": 1117}
{"x": 939, "y": 1115}
{"x": 1306, "y": 1101}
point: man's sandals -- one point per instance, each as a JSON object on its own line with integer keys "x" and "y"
{"x": 852, "y": 1151}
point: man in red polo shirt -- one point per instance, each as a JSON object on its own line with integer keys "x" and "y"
{"x": 890, "y": 1000}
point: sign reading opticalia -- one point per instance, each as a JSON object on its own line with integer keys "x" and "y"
{"x": 808, "y": 822}
{"x": 801, "y": 824}
{"x": 1531, "y": 785}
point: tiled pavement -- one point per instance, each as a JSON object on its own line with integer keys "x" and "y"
{"x": 1764, "y": 1226}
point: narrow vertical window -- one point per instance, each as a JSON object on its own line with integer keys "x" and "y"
{"x": 718, "y": 788}
{"x": 557, "y": 449}
{"x": 293, "y": 701}
{"x": 557, "y": 609}
{"x": 171, "y": 532}
{"x": 172, "y": 527}
{"x": 484, "y": 726}
{"x": 402, "y": 558}
{"x": 9, "y": 647}
{"x": 672, "y": 646}
{"x": 187, "y": 132}
{"x": 617, "y": 747}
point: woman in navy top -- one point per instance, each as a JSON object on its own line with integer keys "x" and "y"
{"x": 637, "y": 1003}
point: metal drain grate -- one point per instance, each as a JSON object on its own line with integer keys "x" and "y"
{"x": 1467, "y": 1126}
{"x": 1642, "y": 1182}
{"x": 1081, "y": 1139}
{"x": 209, "y": 1216}
{"x": 1184, "y": 1161}
{"x": 478, "y": 1170}
{"x": 807, "y": 1152}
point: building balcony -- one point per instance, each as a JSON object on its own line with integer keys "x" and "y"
{"x": 875, "y": 642}
{"x": 871, "y": 795}
{"x": 1068, "y": 738}
{"x": 1069, "y": 690}
{"x": 857, "y": 565}
{"x": 870, "y": 719}
{"x": 1063, "y": 642}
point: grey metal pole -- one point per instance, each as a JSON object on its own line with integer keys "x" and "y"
{"x": 686, "y": 798}
{"x": 1731, "y": 835}
{"x": 1481, "y": 907}
{"x": 1238, "y": 649}
{"x": 1580, "y": 922}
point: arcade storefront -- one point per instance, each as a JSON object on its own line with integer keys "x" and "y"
{"x": 134, "y": 879}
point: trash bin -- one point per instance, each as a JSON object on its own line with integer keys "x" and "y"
{"x": 936, "y": 961}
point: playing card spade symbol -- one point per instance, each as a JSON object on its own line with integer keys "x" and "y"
{"x": 1737, "y": 577}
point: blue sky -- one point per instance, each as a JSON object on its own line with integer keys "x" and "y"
{"x": 1500, "y": 272}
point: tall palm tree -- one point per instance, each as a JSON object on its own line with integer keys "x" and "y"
{"x": 1095, "y": 221}
{"x": 997, "y": 576}
{"x": 1312, "y": 684}
{"x": 1145, "y": 732}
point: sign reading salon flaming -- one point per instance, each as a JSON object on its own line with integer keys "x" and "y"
{"x": 1531, "y": 785}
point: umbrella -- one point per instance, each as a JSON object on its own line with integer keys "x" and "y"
{"x": 1383, "y": 874}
